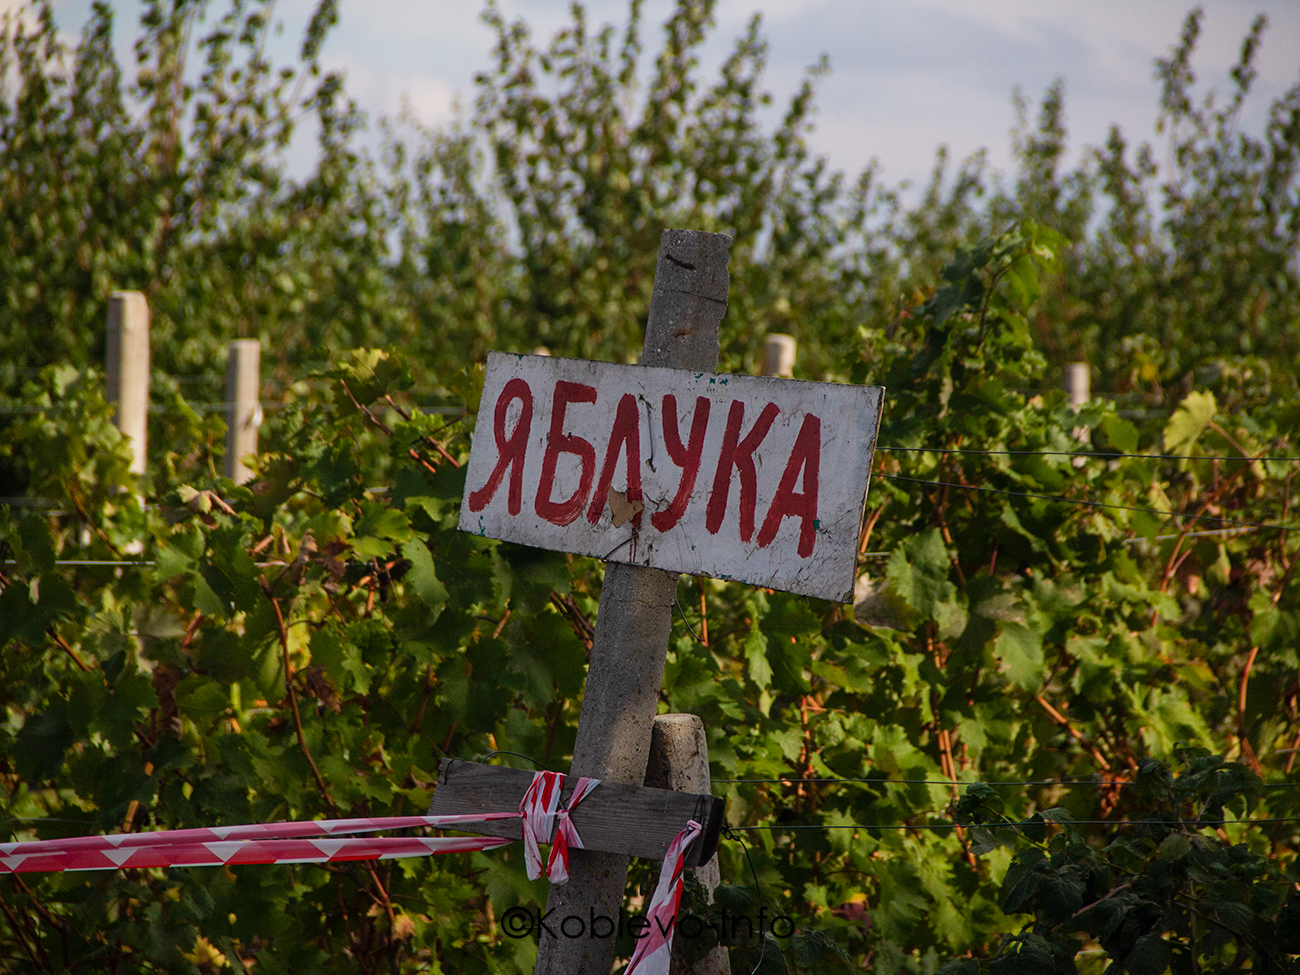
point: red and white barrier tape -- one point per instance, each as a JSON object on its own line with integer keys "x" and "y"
{"x": 326, "y": 841}
{"x": 537, "y": 810}
{"x": 215, "y": 853}
{"x": 254, "y": 831}
{"x": 292, "y": 842}
{"x": 654, "y": 952}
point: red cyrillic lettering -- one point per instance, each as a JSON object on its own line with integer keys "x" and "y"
{"x": 510, "y": 450}
{"x": 559, "y": 442}
{"x": 686, "y": 457}
{"x": 627, "y": 431}
{"x": 739, "y": 454}
{"x": 805, "y": 456}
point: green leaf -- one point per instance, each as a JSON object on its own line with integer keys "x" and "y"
{"x": 951, "y": 617}
{"x": 1020, "y": 884}
{"x": 377, "y": 529}
{"x": 1174, "y": 847}
{"x": 755, "y": 651}
{"x": 202, "y": 699}
{"x": 37, "y": 553}
{"x": 1030, "y": 956}
{"x": 341, "y": 659}
{"x": 1121, "y": 434}
{"x": 1235, "y": 917}
{"x": 1189, "y": 421}
{"x": 918, "y": 571}
{"x": 1150, "y": 956}
{"x": 1020, "y": 649}
{"x": 206, "y": 601}
{"x": 41, "y": 743}
{"x": 423, "y": 579}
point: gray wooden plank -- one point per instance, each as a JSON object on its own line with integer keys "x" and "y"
{"x": 627, "y": 819}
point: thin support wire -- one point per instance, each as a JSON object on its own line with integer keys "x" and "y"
{"x": 1078, "y": 453}
{"x": 502, "y": 751}
{"x": 951, "y": 782}
{"x": 685, "y": 620}
{"x": 115, "y": 562}
{"x": 1197, "y": 823}
{"x": 1091, "y": 504}
{"x": 728, "y": 832}
{"x": 626, "y": 541}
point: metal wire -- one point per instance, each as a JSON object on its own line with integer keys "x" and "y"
{"x": 1161, "y": 538}
{"x": 685, "y": 620}
{"x": 502, "y": 751}
{"x": 1079, "y": 453}
{"x": 1091, "y": 504}
{"x": 627, "y": 541}
{"x": 90, "y": 562}
{"x": 728, "y": 832}
{"x": 950, "y": 782}
{"x": 1118, "y": 823}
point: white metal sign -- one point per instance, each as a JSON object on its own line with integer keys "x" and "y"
{"x": 759, "y": 480}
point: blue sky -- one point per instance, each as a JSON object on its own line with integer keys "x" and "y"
{"x": 906, "y": 75}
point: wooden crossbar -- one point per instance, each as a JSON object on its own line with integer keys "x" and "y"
{"x": 628, "y": 819}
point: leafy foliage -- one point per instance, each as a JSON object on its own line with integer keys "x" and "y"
{"x": 317, "y": 640}
{"x": 1170, "y": 891}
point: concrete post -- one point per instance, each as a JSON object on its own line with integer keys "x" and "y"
{"x": 243, "y": 408}
{"x": 779, "y": 354}
{"x": 127, "y": 385}
{"x": 679, "y": 760}
{"x": 635, "y": 617}
{"x": 1078, "y": 383}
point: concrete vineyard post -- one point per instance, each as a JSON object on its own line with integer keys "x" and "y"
{"x": 243, "y": 408}
{"x": 679, "y": 760}
{"x": 1078, "y": 383}
{"x": 779, "y": 355}
{"x": 127, "y": 385}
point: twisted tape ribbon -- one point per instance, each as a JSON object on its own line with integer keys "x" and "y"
{"x": 566, "y": 834}
{"x": 539, "y": 809}
{"x": 654, "y": 952}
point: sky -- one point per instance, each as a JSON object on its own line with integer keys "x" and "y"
{"x": 906, "y": 75}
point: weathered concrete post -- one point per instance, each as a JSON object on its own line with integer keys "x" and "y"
{"x": 779, "y": 354}
{"x": 635, "y": 617}
{"x": 127, "y": 368}
{"x": 1078, "y": 383}
{"x": 243, "y": 408}
{"x": 679, "y": 760}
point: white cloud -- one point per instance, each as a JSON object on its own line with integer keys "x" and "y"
{"x": 907, "y": 75}
{"x": 15, "y": 6}
{"x": 430, "y": 98}
{"x": 773, "y": 11}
